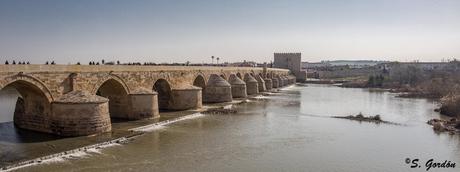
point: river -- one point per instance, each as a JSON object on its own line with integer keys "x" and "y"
{"x": 287, "y": 131}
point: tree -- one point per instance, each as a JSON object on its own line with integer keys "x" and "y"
{"x": 78, "y": 63}
{"x": 217, "y": 60}
{"x": 28, "y": 63}
{"x": 46, "y": 63}
{"x": 371, "y": 81}
{"x": 52, "y": 63}
{"x": 14, "y": 62}
{"x": 212, "y": 57}
{"x": 6, "y": 62}
{"x": 118, "y": 62}
{"x": 103, "y": 62}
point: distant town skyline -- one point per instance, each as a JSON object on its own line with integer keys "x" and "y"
{"x": 169, "y": 31}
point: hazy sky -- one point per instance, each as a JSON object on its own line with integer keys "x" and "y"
{"x": 234, "y": 30}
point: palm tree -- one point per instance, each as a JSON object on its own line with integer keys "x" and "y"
{"x": 212, "y": 57}
{"x": 217, "y": 60}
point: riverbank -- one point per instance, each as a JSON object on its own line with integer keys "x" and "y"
{"x": 452, "y": 125}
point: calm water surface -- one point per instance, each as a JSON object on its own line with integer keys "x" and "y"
{"x": 290, "y": 131}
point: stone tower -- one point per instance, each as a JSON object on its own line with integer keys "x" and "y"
{"x": 291, "y": 61}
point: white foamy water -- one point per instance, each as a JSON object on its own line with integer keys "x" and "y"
{"x": 260, "y": 97}
{"x": 288, "y": 87}
{"x": 161, "y": 124}
{"x": 67, "y": 155}
{"x": 228, "y": 107}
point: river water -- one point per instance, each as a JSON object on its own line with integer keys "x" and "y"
{"x": 287, "y": 131}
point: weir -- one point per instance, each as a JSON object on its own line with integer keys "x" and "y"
{"x": 75, "y": 100}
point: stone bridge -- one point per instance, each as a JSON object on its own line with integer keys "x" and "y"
{"x": 73, "y": 100}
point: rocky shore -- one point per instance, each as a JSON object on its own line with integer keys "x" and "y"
{"x": 452, "y": 126}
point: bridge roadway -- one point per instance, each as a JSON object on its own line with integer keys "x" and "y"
{"x": 74, "y": 100}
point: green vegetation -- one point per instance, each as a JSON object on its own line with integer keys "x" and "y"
{"x": 375, "y": 81}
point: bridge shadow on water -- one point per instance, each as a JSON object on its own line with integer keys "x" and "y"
{"x": 118, "y": 120}
{"x": 11, "y": 134}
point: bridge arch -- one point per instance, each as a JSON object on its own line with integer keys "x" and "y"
{"x": 261, "y": 75}
{"x": 239, "y": 75}
{"x": 118, "y": 97}
{"x": 270, "y": 75}
{"x": 223, "y": 76}
{"x": 31, "y": 81}
{"x": 33, "y": 104}
{"x": 246, "y": 76}
{"x": 163, "y": 88}
{"x": 199, "y": 81}
{"x": 110, "y": 77}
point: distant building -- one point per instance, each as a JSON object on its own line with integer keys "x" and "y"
{"x": 242, "y": 64}
{"x": 350, "y": 63}
{"x": 308, "y": 65}
{"x": 291, "y": 61}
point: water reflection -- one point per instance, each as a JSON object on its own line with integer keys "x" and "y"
{"x": 8, "y": 98}
{"x": 11, "y": 134}
{"x": 350, "y": 101}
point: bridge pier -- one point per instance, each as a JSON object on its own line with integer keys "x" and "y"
{"x": 268, "y": 83}
{"x": 285, "y": 81}
{"x": 79, "y": 113}
{"x": 288, "y": 80}
{"x": 32, "y": 114}
{"x": 143, "y": 104}
{"x": 293, "y": 79}
{"x": 280, "y": 81}
{"x": 217, "y": 90}
{"x": 275, "y": 82}
{"x": 238, "y": 87}
{"x": 261, "y": 83}
{"x": 251, "y": 84}
{"x": 189, "y": 97}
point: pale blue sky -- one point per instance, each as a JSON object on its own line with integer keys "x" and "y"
{"x": 235, "y": 30}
